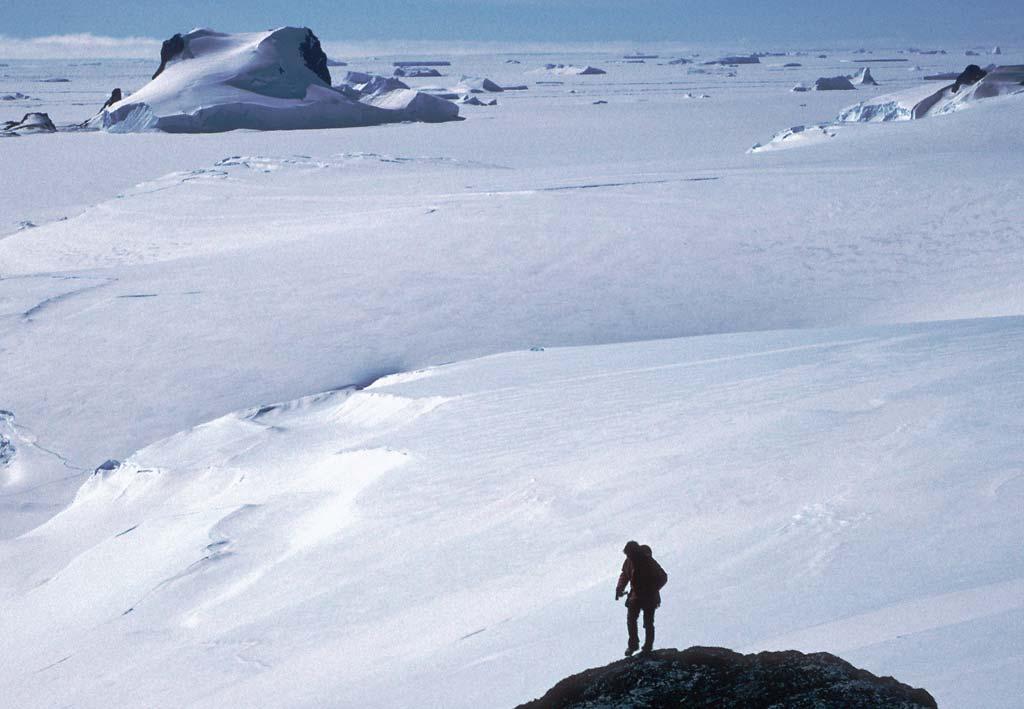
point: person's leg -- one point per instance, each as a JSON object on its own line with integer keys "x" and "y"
{"x": 632, "y": 614}
{"x": 648, "y": 628}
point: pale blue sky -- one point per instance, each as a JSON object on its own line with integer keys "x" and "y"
{"x": 803, "y": 21}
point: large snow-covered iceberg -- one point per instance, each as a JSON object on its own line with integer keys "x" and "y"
{"x": 973, "y": 84}
{"x": 275, "y": 80}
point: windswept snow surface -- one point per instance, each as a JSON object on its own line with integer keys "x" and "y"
{"x": 450, "y": 538}
{"x": 813, "y": 473}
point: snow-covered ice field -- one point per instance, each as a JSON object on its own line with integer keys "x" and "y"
{"x": 349, "y": 481}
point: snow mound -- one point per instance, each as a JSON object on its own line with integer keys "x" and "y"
{"x": 973, "y": 84}
{"x": 275, "y": 80}
{"x": 797, "y": 136}
{"x": 572, "y": 70}
{"x": 834, "y": 83}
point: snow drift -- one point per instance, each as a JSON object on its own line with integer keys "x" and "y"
{"x": 276, "y": 80}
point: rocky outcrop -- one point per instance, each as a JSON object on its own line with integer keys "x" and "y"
{"x": 169, "y": 50}
{"x": 115, "y": 96}
{"x": 314, "y": 57}
{"x": 971, "y": 75}
{"x": 721, "y": 678}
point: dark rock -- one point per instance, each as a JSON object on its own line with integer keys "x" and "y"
{"x": 6, "y": 450}
{"x": 169, "y": 50}
{"x": 56, "y": 80}
{"x": 115, "y": 96}
{"x": 314, "y": 57}
{"x": 971, "y": 75}
{"x": 16, "y": 96}
{"x": 106, "y": 466}
{"x": 721, "y": 678}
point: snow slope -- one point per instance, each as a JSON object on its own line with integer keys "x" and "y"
{"x": 853, "y": 490}
{"x": 263, "y": 81}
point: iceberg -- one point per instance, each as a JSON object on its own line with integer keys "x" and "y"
{"x": 834, "y": 83}
{"x": 862, "y": 78}
{"x": 211, "y": 82}
{"x": 30, "y": 123}
{"x": 972, "y": 85}
{"x": 571, "y": 70}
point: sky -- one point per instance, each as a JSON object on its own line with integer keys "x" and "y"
{"x": 743, "y": 23}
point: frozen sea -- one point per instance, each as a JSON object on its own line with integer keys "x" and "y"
{"x": 388, "y": 401}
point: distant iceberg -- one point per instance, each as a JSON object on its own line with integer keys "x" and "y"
{"x": 862, "y": 78}
{"x": 834, "y": 83}
{"x": 276, "y": 80}
{"x": 571, "y": 70}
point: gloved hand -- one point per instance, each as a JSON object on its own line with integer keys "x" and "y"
{"x": 618, "y": 594}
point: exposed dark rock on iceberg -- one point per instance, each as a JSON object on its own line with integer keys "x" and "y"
{"x": 16, "y": 96}
{"x": 115, "y": 96}
{"x": 107, "y": 466}
{"x": 969, "y": 76}
{"x": 170, "y": 49}
{"x": 721, "y": 678}
{"x": 314, "y": 57}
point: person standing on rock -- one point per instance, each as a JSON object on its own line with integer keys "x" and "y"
{"x": 645, "y": 579}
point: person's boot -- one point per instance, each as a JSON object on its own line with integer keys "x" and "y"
{"x": 630, "y": 649}
{"x": 648, "y": 641}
